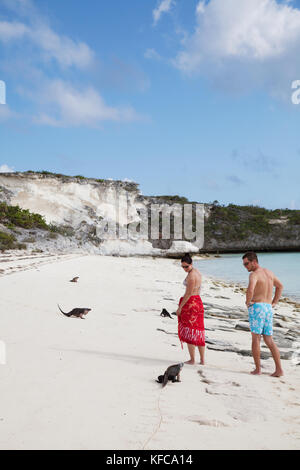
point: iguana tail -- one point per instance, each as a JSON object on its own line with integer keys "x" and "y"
{"x": 165, "y": 379}
{"x": 62, "y": 311}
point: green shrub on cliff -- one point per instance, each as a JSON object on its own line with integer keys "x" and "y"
{"x": 9, "y": 242}
{"x": 65, "y": 230}
{"x": 232, "y": 222}
{"x": 294, "y": 218}
{"x": 237, "y": 222}
{"x": 173, "y": 199}
{"x": 13, "y": 217}
{"x": 17, "y": 217}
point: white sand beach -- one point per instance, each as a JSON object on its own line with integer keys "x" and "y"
{"x": 90, "y": 384}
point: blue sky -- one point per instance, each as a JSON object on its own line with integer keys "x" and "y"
{"x": 185, "y": 97}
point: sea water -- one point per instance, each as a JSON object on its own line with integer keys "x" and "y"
{"x": 286, "y": 266}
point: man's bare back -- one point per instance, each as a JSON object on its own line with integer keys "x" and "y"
{"x": 260, "y": 300}
{"x": 261, "y": 284}
{"x": 263, "y": 289}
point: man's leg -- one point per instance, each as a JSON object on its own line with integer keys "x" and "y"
{"x": 276, "y": 355}
{"x": 202, "y": 354}
{"x": 191, "y": 349}
{"x": 256, "y": 353}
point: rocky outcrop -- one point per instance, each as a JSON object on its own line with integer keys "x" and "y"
{"x": 96, "y": 216}
{"x": 113, "y": 218}
{"x": 243, "y": 228}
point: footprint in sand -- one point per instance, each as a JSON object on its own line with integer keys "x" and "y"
{"x": 235, "y": 384}
{"x": 215, "y": 383}
{"x": 208, "y": 382}
{"x": 208, "y": 422}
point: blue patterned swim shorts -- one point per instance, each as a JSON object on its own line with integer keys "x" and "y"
{"x": 261, "y": 319}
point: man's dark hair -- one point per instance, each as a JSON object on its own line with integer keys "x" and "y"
{"x": 187, "y": 259}
{"x": 251, "y": 256}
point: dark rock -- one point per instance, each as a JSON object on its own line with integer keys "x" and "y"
{"x": 286, "y": 355}
{"x": 295, "y": 333}
{"x": 242, "y": 327}
{"x": 218, "y": 342}
{"x": 284, "y": 343}
{"x": 167, "y": 332}
{"x": 217, "y": 345}
{"x": 218, "y": 315}
{"x": 224, "y": 328}
{"x": 245, "y": 352}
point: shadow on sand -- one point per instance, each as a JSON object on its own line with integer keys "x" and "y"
{"x": 121, "y": 357}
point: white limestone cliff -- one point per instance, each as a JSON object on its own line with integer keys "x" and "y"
{"x": 85, "y": 205}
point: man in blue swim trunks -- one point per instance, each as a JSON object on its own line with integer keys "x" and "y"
{"x": 260, "y": 303}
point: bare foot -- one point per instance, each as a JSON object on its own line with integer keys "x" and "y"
{"x": 202, "y": 363}
{"x": 278, "y": 373}
{"x": 256, "y": 372}
{"x": 192, "y": 363}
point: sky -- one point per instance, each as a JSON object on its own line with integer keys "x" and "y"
{"x": 185, "y": 97}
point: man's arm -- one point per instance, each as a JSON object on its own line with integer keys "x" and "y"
{"x": 189, "y": 291}
{"x": 279, "y": 288}
{"x": 251, "y": 288}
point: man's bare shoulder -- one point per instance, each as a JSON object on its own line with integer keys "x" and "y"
{"x": 253, "y": 278}
{"x": 268, "y": 272}
{"x": 253, "y": 275}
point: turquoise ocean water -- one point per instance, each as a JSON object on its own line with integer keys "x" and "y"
{"x": 286, "y": 267}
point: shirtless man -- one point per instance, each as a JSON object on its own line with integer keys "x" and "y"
{"x": 260, "y": 302}
{"x": 191, "y": 327}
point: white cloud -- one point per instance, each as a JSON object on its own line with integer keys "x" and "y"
{"x": 6, "y": 113}
{"x": 242, "y": 42}
{"x": 253, "y": 29}
{"x": 66, "y": 51}
{"x": 12, "y": 30}
{"x": 152, "y": 54}
{"x": 53, "y": 46}
{"x": 23, "y": 7}
{"x": 163, "y": 7}
{"x": 71, "y": 107}
{"x": 58, "y": 103}
{"x": 6, "y": 169}
{"x": 35, "y": 29}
